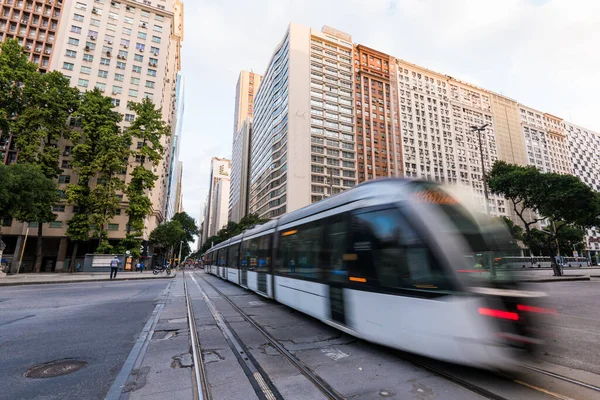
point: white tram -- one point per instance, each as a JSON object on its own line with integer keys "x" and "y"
{"x": 396, "y": 262}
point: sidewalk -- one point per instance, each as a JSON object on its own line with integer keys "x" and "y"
{"x": 163, "y": 369}
{"x": 78, "y": 277}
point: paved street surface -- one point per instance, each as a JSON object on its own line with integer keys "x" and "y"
{"x": 135, "y": 337}
{"x": 574, "y": 335}
{"x": 94, "y": 322}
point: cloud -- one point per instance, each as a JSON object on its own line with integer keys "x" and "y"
{"x": 541, "y": 53}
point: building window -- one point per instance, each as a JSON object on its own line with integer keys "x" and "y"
{"x": 64, "y": 179}
{"x": 140, "y": 46}
{"x": 150, "y": 84}
{"x": 129, "y": 117}
{"x": 128, "y": 20}
{"x": 113, "y": 227}
{"x": 81, "y": 6}
{"x": 90, "y": 46}
{"x": 133, "y": 93}
{"x": 73, "y": 41}
{"x": 137, "y": 69}
{"x": 101, "y": 86}
{"x": 71, "y": 53}
{"x": 88, "y": 58}
{"x": 83, "y": 82}
{"x": 155, "y": 50}
{"x": 135, "y": 81}
{"x": 56, "y": 224}
{"x": 78, "y": 17}
{"x": 121, "y": 65}
{"x": 92, "y": 34}
{"x": 117, "y": 89}
{"x": 123, "y": 54}
{"x": 151, "y": 72}
{"x": 156, "y": 39}
{"x": 138, "y": 57}
{"x": 119, "y": 77}
{"x": 104, "y": 61}
{"x": 157, "y": 28}
{"x": 148, "y": 95}
{"x": 142, "y": 35}
{"x": 86, "y": 70}
{"x": 75, "y": 29}
{"x": 127, "y": 31}
{"x": 68, "y": 66}
{"x": 58, "y": 208}
{"x": 95, "y": 22}
{"x": 115, "y": 102}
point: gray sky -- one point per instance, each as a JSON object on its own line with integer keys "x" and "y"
{"x": 542, "y": 53}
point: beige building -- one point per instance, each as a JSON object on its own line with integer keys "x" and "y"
{"x": 129, "y": 50}
{"x": 217, "y": 204}
{"x": 245, "y": 90}
{"x": 304, "y": 120}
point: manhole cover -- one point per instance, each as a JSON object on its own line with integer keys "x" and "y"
{"x": 55, "y": 368}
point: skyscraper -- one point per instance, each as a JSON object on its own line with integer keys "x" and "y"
{"x": 175, "y": 173}
{"x": 216, "y": 205}
{"x": 245, "y": 90}
{"x": 240, "y": 164}
{"x": 303, "y": 118}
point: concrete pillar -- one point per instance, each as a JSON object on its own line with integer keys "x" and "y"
{"x": 62, "y": 253}
{"x": 14, "y": 266}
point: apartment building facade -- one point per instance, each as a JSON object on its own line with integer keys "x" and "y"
{"x": 303, "y": 118}
{"x": 216, "y": 206}
{"x": 129, "y": 50}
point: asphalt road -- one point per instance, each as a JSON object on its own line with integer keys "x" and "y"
{"x": 574, "y": 334}
{"x": 94, "y": 322}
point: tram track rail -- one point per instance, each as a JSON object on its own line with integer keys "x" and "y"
{"x": 328, "y": 391}
{"x": 200, "y": 382}
{"x": 565, "y": 378}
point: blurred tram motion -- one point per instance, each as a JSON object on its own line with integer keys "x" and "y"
{"x": 397, "y": 262}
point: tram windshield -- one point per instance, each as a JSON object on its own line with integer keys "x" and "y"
{"x": 485, "y": 243}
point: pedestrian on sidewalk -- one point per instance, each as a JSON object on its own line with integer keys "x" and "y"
{"x": 142, "y": 266}
{"x": 114, "y": 267}
{"x": 138, "y": 266}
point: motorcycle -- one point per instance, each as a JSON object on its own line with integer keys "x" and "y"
{"x": 158, "y": 269}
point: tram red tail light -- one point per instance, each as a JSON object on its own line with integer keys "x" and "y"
{"x": 523, "y": 307}
{"x": 499, "y": 314}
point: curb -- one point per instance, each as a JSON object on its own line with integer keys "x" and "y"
{"x": 83, "y": 281}
{"x": 559, "y": 279}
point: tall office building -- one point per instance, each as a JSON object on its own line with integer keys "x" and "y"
{"x": 240, "y": 164}
{"x": 127, "y": 49}
{"x": 172, "y": 202}
{"x": 34, "y": 23}
{"x": 303, "y": 118}
{"x": 217, "y": 203}
{"x": 245, "y": 90}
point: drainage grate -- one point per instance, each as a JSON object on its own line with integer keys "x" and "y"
{"x": 55, "y": 368}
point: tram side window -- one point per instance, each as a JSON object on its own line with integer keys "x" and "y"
{"x": 233, "y": 255}
{"x": 244, "y": 254}
{"x": 391, "y": 253}
{"x": 298, "y": 251}
{"x": 256, "y": 254}
{"x": 336, "y": 248}
{"x": 222, "y": 253}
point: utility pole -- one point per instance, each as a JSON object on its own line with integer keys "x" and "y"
{"x": 179, "y": 257}
{"x": 480, "y": 129}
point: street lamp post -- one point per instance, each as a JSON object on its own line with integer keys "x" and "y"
{"x": 480, "y": 129}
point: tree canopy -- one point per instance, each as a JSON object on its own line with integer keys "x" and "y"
{"x": 232, "y": 229}
{"x": 564, "y": 201}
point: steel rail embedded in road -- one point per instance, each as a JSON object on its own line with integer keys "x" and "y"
{"x": 449, "y": 377}
{"x": 562, "y": 377}
{"x": 315, "y": 379}
{"x": 201, "y": 385}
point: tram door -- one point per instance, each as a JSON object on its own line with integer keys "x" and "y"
{"x": 335, "y": 262}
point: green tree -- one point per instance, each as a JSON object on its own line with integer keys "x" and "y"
{"x": 15, "y": 73}
{"x": 148, "y": 129}
{"x": 233, "y": 229}
{"x": 99, "y": 153}
{"x": 563, "y": 200}
{"x": 48, "y": 101}
{"x": 165, "y": 237}
{"x": 188, "y": 224}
